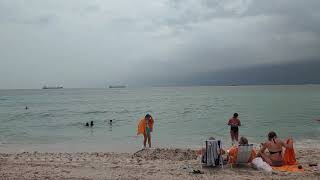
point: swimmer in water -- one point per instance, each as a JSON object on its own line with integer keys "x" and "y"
{"x": 91, "y": 123}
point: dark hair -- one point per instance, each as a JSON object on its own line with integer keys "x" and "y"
{"x": 271, "y": 135}
{"x": 243, "y": 141}
{"x": 235, "y": 115}
{"x": 148, "y": 116}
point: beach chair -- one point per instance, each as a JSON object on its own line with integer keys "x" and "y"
{"x": 243, "y": 155}
{"x": 212, "y": 156}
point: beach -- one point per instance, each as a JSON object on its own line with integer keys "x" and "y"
{"x": 49, "y": 140}
{"x": 144, "y": 164}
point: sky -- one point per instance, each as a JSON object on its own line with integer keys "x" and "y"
{"x": 95, "y": 43}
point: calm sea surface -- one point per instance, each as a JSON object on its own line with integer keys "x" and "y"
{"x": 184, "y": 116}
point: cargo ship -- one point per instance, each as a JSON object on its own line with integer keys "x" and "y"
{"x": 118, "y": 86}
{"x": 52, "y": 87}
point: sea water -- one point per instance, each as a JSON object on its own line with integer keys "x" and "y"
{"x": 184, "y": 116}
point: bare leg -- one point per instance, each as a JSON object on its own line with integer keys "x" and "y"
{"x": 232, "y": 136}
{"x": 144, "y": 140}
{"x": 149, "y": 140}
{"x": 236, "y": 136}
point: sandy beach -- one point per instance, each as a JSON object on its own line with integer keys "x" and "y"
{"x": 145, "y": 164}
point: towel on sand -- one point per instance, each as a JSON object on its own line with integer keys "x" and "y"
{"x": 142, "y": 126}
{"x": 289, "y": 156}
{"x": 288, "y": 168}
{"x": 290, "y": 161}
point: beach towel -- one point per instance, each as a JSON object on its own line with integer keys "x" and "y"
{"x": 289, "y": 157}
{"x": 288, "y": 168}
{"x": 142, "y": 126}
{"x": 213, "y": 157}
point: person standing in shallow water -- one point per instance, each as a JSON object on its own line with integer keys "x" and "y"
{"x": 145, "y": 127}
{"x": 234, "y": 124}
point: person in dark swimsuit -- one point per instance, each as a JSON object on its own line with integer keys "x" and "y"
{"x": 234, "y": 124}
{"x": 274, "y": 146}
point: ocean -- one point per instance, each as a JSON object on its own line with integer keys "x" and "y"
{"x": 184, "y": 116}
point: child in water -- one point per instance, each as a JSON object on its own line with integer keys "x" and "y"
{"x": 145, "y": 127}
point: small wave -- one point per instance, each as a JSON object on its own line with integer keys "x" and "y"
{"x": 95, "y": 112}
{"x": 19, "y": 116}
{"x": 187, "y": 112}
{"x": 44, "y": 115}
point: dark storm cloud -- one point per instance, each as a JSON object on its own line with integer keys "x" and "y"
{"x": 93, "y": 43}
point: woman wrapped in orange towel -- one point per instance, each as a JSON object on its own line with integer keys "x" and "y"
{"x": 145, "y": 127}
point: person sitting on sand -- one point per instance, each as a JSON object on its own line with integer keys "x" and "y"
{"x": 274, "y": 146}
{"x": 145, "y": 127}
{"x": 233, "y": 151}
{"x": 234, "y": 124}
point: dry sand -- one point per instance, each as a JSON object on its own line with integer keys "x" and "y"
{"x": 145, "y": 164}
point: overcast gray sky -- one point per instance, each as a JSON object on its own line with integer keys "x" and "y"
{"x": 93, "y": 43}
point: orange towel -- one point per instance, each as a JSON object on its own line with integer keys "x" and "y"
{"x": 233, "y": 153}
{"x": 289, "y": 156}
{"x": 290, "y": 161}
{"x": 288, "y": 168}
{"x": 142, "y": 126}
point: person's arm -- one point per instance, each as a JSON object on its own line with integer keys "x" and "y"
{"x": 263, "y": 148}
{"x": 239, "y": 122}
{"x": 229, "y": 122}
{"x": 222, "y": 151}
{"x": 288, "y": 145}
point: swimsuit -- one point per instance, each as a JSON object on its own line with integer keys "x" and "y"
{"x": 275, "y": 152}
{"x": 147, "y": 130}
{"x": 279, "y": 162}
{"x": 234, "y": 129}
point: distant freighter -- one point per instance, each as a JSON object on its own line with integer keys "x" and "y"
{"x": 52, "y": 87}
{"x": 120, "y": 86}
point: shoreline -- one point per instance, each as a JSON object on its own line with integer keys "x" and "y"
{"x": 158, "y": 163}
{"x": 126, "y": 147}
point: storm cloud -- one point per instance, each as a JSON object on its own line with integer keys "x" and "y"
{"x": 80, "y": 43}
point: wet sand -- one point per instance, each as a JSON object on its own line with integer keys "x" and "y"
{"x": 144, "y": 164}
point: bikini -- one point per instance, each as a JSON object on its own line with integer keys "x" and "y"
{"x": 276, "y": 163}
{"x": 148, "y": 130}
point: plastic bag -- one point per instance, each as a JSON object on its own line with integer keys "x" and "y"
{"x": 259, "y": 164}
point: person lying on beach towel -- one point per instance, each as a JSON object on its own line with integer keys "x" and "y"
{"x": 274, "y": 146}
{"x": 233, "y": 151}
{"x": 145, "y": 127}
